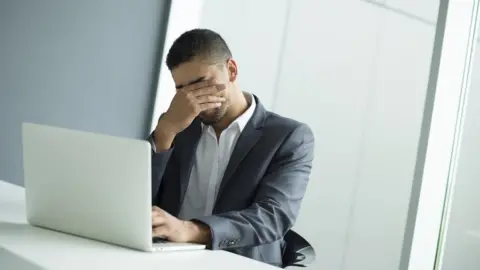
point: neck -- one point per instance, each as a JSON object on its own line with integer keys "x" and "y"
{"x": 238, "y": 106}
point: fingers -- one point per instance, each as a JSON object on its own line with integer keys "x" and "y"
{"x": 158, "y": 216}
{"x": 158, "y": 221}
{"x": 206, "y": 90}
{"x": 207, "y": 106}
{"x": 210, "y": 99}
{"x": 199, "y": 85}
{"x": 203, "y": 96}
{"x": 159, "y": 211}
{"x": 206, "y": 98}
{"x": 160, "y": 231}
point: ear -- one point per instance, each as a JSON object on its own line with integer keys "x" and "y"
{"x": 232, "y": 70}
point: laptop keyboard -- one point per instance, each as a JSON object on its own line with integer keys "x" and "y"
{"x": 157, "y": 240}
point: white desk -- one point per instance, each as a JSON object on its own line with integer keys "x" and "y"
{"x": 30, "y": 248}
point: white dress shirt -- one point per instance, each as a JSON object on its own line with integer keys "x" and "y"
{"x": 211, "y": 160}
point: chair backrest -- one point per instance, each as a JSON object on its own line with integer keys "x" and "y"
{"x": 297, "y": 250}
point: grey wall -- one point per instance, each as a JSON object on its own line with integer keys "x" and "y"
{"x": 89, "y": 65}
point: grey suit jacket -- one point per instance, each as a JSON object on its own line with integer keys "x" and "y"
{"x": 260, "y": 195}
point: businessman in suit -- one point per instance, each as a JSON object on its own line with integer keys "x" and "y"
{"x": 225, "y": 171}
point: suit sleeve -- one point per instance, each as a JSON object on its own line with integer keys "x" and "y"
{"x": 159, "y": 164}
{"x": 277, "y": 202}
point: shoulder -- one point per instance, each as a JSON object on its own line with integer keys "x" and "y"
{"x": 290, "y": 129}
{"x": 294, "y": 141}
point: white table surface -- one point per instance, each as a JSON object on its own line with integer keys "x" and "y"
{"x": 26, "y": 247}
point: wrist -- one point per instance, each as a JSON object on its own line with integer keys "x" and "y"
{"x": 162, "y": 134}
{"x": 167, "y": 124}
{"x": 198, "y": 233}
{"x": 164, "y": 137}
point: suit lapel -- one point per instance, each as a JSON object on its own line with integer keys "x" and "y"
{"x": 188, "y": 143}
{"x": 248, "y": 138}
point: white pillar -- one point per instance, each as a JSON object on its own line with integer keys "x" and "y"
{"x": 184, "y": 15}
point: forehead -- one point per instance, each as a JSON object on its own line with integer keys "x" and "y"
{"x": 194, "y": 71}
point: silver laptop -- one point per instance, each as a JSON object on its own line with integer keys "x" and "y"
{"x": 91, "y": 185}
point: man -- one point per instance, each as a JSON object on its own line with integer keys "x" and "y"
{"x": 225, "y": 172}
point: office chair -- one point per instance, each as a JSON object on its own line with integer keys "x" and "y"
{"x": 297, "y": 251}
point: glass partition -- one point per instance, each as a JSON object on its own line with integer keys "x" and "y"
{"x": 441, "y": 145}
{"x": 459, "y": 239}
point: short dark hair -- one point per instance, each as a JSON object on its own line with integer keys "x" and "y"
{"x": 203, "y": 43}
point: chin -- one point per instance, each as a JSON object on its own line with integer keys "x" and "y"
{"x": 210, "y": 119}
{"x": 208, "y": 122}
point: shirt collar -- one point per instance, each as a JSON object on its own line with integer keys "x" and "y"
{"x": 243, "y": 119}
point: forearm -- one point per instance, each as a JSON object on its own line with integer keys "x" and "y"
{"x": 163, "y": 136}
{"x": 162, "y": 140}
{"x": 259, "y": 224}
{"x": 160, "y": 159}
